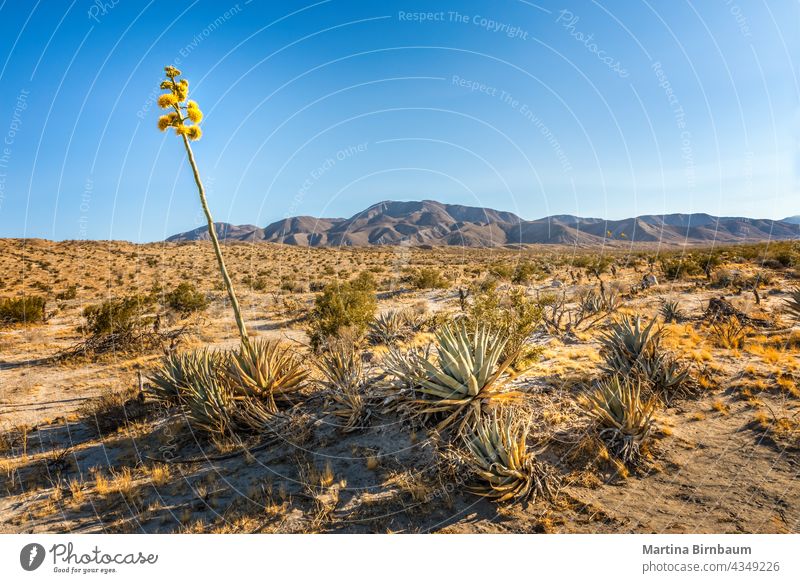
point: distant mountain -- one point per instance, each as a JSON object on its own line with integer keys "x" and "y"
{"x": 795, "y": 220}
{"x": 223, "y": 230}
{"x": 429, "y": 222}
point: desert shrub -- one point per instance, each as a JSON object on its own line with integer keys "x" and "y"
{"x": 350, "y": 304}
{"x": 68, "y": 294}
{"x": 428, "y": 278}
{"x": 120, "y": 316}
{"x": 525, "y": 273}
{"x": 186, "y": 299}
{"x": 629, "y": 349}
{"x": 113, "y": 410}
{"x": 729, "y": 333}
{"x": 514, "y": 316}
{"x": 501, "y": 271}
{"x": 623, "y": 416}
{"x": 680, "y": 267}
{"x": 499, "y": 457}
{"x": 289, "y": 284}
{"x": 24, "y": 310}
{"x": 260, "y": 283}
{"x": 723, "y": 278}
{"x": 786, "y": 257}
{"x": 461, "y": 381}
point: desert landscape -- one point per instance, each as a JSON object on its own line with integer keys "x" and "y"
{"x": 430, "y": 387}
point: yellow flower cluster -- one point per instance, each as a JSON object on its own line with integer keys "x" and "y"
{"x": 184, "y": 111}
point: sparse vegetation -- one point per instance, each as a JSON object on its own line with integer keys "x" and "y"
{"x": 24, "y": 310}
{"x": 408, "y": 418}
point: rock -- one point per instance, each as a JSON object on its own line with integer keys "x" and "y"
{"x": 557, "y": 283}
{"x": 649, "y": 280}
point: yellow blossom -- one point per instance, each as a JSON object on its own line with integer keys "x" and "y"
{"x": 193, "y": 133}
{"x": 182, "y": 90}
{"x": 167, "y": 120}
{"x": 167, "y": 100}
{"x": 193, "y": 111}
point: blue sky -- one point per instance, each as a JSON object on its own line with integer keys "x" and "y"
{"x": 605, "y": 109}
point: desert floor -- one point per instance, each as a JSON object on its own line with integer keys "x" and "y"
{"x": 724, "y": 460}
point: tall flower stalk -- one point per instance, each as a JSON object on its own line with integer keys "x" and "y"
{"x": 184, "y": 117}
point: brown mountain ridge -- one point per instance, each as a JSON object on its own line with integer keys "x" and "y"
{"x": 428, "y": 222}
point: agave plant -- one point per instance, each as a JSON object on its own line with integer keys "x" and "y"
{"x": 668, "y": 378}
{"x": 500, "y": 458}
{"x": 671, "y": 311}
{"x": 268, "y": 370}
{"x": 209, "y": 398}
{"x": 624, "y": 417}
{"x": 590, "y": 303}
{"x": 177, "y": 371}
{"x": 465, "y": 376}
{"x": 628, "y": 348}
{"x": 792, "y": 303}
{"x": 388, "y": 328}
{"x": 627, "y": 342}
{"x": 343, "y": 377}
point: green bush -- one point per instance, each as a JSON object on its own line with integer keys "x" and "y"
{"x": 350, "y": 304}
{"x": 514, "y": 316}
{"x": 186, "y": 299}
{"x": 428, "y": 278}
{"x": 117, "y": 316}
{"x": 526, "y": 273}
{"x": 677, "y": 268}
{"x": 502, "y": 271}
{"x": 27, "y": 309}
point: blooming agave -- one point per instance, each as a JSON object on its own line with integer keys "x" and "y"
{"x": 185, "y": 116}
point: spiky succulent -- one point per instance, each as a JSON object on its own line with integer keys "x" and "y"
{"x": 624, "y": 417}
{"x": 209, "y": 399}
{"x": 465, "y": 376}
{"x": 500, "y": 459}
{"x": 628, "y": 348}
{"x": 388, "y": 328}
{"x": 268, "y": 370}
{"x": 343, "y": 376}
{"x": 178, "y": 370}
{"x": 671, "y": 311}
{"x": 792, "y": 303}
{"x": 626, "y": 343}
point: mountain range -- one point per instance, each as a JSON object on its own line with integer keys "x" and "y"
{"x": 432, "y": 223}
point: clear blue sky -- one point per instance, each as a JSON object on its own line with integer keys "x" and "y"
{"x": 610, "y": 109}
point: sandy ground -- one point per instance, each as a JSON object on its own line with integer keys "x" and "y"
{"x": 723, "y": 461}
